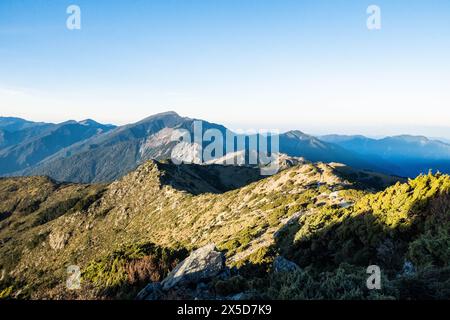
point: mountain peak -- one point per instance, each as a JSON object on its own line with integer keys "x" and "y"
{"x": 13, "y": 124}
{"x": 296, "y": 134}
{"x": 167, "y": 114}
{"x": 89, "y": 122}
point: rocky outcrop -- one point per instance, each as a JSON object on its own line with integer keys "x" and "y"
{"x": 197, "y": 270}
{"x": 203, "y": 264}
{"x": 153, "y": 291}
{"x": 281, "y": 264}
{"x": 58, "y": 240}
{"x": 198, "y": 276}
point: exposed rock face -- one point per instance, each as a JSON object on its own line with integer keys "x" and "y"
{"x": 151, "y": 292}
{"x": 196, "y": 271}
{"x": 203, "y": 264}
{"x": 58, "y": 240}
{"x": 281, "y": 264}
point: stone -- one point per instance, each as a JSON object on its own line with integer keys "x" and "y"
{"x": 58, "y": 240}
{"x": 202, "y": 265}
{"x": 281, "y": 264}
{"x": 151, "y": 292}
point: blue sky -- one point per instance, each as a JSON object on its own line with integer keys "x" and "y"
{"x": 285, "y": 64}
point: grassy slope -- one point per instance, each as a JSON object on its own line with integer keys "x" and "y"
{"x": 144, "y": 208}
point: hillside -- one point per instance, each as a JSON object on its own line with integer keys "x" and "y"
{"x": 13, "y": 124}
{"x": 160, "y": 211}
{"x": 28, "y": 147}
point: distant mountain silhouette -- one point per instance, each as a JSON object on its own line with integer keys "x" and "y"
{"x": 299, "y": 144}
{"x": 108, "y": 156}
{"x": 111, "y": 155}
{"x": 30, "y": 144}
{"x": 13, "y": 124}
{"x": 88, "y": 151}
{"x": 407, "y": 155}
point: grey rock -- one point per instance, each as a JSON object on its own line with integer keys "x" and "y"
{"x": 58, "y": 240}
{"x": 281, "y": 264}
{"x": 203, "y": 264}
{"x": 151, "y": 292}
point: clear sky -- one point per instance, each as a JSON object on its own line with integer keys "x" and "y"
{"x": 286, "y": 64}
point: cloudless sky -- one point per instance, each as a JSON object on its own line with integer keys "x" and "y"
{"x": 286, "y": 64}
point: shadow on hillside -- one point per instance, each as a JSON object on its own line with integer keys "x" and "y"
{"x": 198, "y": 179}
{"x": 364, "y": 180}
{"x": 363, "y": 239}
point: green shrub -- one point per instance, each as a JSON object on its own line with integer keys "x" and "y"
{"x": 430, "y": 283}
{"x": 6, "y": 293}
{"x": 431, "y": 249}
{"x": 230, "y": 286}
{"x": 345, "y": 283}
{"x": 275, "y": 216}
{"x": 410, "y": 215}
{"x": 242, "y": 239}
{"x": 125, "y": 270}
{"x": 55, "y": 211}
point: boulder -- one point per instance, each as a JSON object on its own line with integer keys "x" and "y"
{"x": 281, "y": 264}
{"x": 58, "y": 240}
{"x": 202, "y": 265}
{"x": 151, "y": 292}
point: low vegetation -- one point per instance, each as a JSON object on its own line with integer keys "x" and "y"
{"x": 134, "y": 231}
{"x": 122, "y": 273}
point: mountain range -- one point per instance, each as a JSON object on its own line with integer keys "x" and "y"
{"x": 24, "y": 145}
{"x": 405, "y": 155}
{"x": 88, "y": 151}
{"x": 111, "y": 203}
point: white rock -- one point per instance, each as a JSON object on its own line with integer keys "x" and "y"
{"x": 203, "y": 264}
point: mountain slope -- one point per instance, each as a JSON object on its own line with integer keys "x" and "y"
{"x": 298, "y": 144}
{"x": 11, "y": 138}
{"x": 32, "y": 146}
{"x": 12, "y": 124}
{"x": 46, "y": 225}
{"x": 17, "y": 130}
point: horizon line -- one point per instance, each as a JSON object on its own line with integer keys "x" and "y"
{"x": 442, "y": 139}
